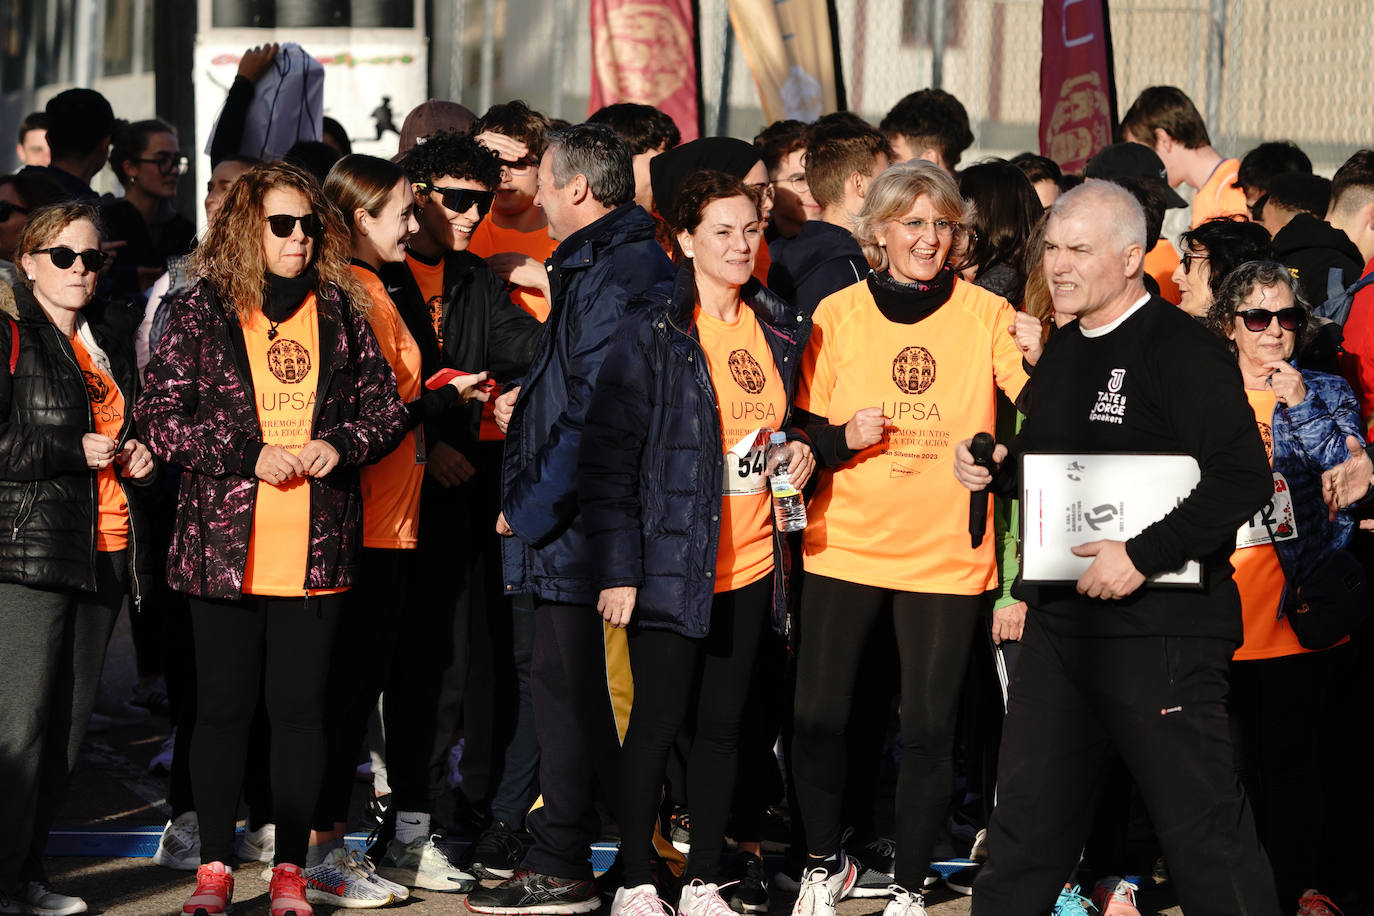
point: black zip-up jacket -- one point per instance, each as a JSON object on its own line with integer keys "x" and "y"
{"x": 49, "y": 503}
{"x": 1309, "y": 248}
{"x": 484, "y": 331}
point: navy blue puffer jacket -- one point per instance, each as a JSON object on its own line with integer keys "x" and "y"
{"x": 649, "y": 477}
{"x": 594, "y": 273}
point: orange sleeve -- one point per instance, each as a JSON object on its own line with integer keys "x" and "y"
{"x": 818, "y": 367}
{"x": 1007, "y": 367}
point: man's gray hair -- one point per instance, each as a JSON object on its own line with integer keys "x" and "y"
{"x": 1127, "y": 222}
{"x": 596, "y": 152}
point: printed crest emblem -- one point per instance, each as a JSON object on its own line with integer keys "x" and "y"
{"x": 913, "y": 370}
{"x": 96, "y": 388}
{"x": 288, "y": 361}
{"x": 746, "y": 371}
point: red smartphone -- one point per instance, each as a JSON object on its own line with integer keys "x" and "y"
{"x": 444, "y": 376}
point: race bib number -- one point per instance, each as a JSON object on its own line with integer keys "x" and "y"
{"x": 745, "y": 463}
{"x": 1276, "y": 516}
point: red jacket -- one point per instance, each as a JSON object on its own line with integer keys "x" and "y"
{"x": 1357, "y": 362}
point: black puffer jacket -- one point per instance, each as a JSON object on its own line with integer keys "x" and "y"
{"x": 48, "y": 496}
{"x": 649, "y": 475}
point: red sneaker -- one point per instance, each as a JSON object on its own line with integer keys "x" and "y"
{"x": 287, "y": 890}
{"x": 214, "y": 890}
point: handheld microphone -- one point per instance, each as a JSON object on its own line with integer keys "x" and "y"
{"x": 981, "y": 447}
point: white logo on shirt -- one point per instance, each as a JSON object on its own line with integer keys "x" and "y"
{"x": 1111, "y": 404}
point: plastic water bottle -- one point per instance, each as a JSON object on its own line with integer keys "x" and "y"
{"x": 788, "y": 508}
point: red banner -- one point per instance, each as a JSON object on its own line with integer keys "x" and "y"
{"x": 1077, "y": 89}
{"x": 645, "y": 51}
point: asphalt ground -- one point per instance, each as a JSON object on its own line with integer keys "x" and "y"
{"x": 112, "y": 793}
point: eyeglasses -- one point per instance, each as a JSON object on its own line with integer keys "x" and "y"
{"x": 943, "y": 227}
{"x": 519, "y": 166}
{"x": 63, "y": 257}
{"x": 461, "y": 200}
{"x": 169, "y": 163}
{"x": 1188, "y": 259}
{"x": 764, "y": 189}
{"x": 1257, "y": 320}
{"x": 8, "y": 209}
{"x": 283, "y": 224}
{"x": 797, "y": 183}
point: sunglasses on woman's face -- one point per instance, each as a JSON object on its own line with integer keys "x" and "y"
{"x": 461, "y": 200}
{"x": 282, "y": 225}
{"x": 1258, "y": 320}
{"x": 8, "y": 209}
{"x": 63, "y": 257}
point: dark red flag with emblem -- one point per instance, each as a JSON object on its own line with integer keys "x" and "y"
{"x": 645, "y": 51}
{"x": 1077, "y": 87}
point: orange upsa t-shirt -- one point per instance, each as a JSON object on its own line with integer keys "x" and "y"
{"x": 751, "y": 402}
{"x": 391, "y": 487}
{"x": 107, "y": 410}
{"x": 430, "y": 279}
{"x": 286, "y": 372}
{"x": 1258, "y": 573}
{"x": 894, "y": 516}
{"x": 1219, "y": 196}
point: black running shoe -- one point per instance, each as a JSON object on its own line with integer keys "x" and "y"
{"x": 497, "y": 852}
{"x": 749, "y": 893}
{"x": 680, "y": 830}
{"x": 527, "y": 892}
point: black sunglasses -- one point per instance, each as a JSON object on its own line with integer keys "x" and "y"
{"x": 1188, "y": 259}
{"x": 1290, "y": 319}
{"x": 169, "y": 163}
{"x": 8, "y": 209}
{"x": 461, "y": 200}
{"x": 282, "y": 224}
{"x": 63, "y": 257}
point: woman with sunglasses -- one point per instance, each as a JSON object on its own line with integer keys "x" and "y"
{"x": 1304, "y": 418}
{"x": 1210, "y": 253}
{"x": 147, "y": 159}
{"x": 900, "y": 367}
{"x": 376, "y": 201}
{"x": 269, "y": 389}
{"x": 70, "y": 474}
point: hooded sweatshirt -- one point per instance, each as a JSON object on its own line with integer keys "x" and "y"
{"x": 1309, "y": 248}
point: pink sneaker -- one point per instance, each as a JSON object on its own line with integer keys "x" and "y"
{"x": 1115, "y": 896}
{"x": 214, "y": 891}
{"x": 287, "y": 890}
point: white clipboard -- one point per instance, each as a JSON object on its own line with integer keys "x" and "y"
{"x": 1069, "y": 499}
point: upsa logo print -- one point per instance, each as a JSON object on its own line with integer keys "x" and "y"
{"x": 1267, "y": 436}
{"x": 746, "y": 371}
{"x": 913, "y": 370}
{"x": 96, "y": 388}
{"x": 288, "y": 361}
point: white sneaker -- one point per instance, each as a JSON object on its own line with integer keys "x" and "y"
{"x": 336, "y": 883}
{"x": 420, "y": 863}
{"x": 904, "y": 903}
{"x": 355, "y": 860}
{"x": 257, "y": 845}
{"x": 40, "y": 900}
{"x": 701, "y": 899}
{"x": 179, "y": 846}
{"x": 821, "y": 892}
{"x": 639, "y": 901}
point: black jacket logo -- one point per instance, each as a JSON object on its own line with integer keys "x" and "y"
{"x": 746, "y": 371}
{"x": 288, "y": 361}
{"x": 913, "y": 370}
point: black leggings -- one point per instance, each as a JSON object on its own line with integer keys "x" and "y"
{"x": 281, "y": 646}
{"x": 667, "y": 669}
{"x": 934, "y": 636}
